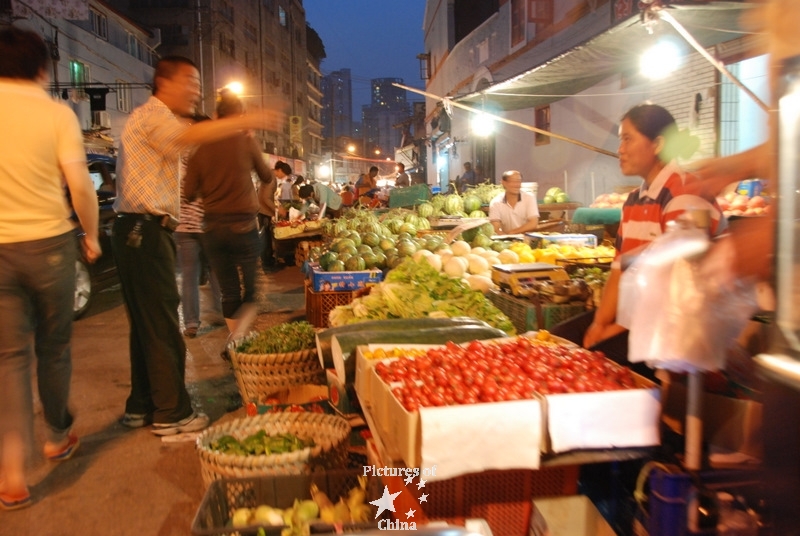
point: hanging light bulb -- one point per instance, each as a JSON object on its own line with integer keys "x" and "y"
{"x": 482, "y": 125}
{"x": 660, "y": 60}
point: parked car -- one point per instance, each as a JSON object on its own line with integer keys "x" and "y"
{"x": 92, "y": 278}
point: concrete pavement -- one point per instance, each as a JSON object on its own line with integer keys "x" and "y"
{"x": 130, "y": 482}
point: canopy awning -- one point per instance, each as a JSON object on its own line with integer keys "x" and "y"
{"x": 616, "y": 50}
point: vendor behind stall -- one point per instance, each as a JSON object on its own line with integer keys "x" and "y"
{"x": 513, "y": 211}
{"x": 321, "y": 195}
{"x": 650, "y": 141}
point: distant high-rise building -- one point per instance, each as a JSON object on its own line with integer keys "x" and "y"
{"x": 383, "y": 117}
{"x": 337, "y": 104}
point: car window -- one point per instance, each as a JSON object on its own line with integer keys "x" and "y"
{"x": 103, "y": 176}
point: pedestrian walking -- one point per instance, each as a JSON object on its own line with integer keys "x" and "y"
{"x": 193, "y": 260}
{"x": 219, "y": 172}
{"x": 40, "y": 142}
{"x": 148, "y": 205}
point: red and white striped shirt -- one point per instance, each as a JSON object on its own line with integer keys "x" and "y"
{"x": 648, "y": 209}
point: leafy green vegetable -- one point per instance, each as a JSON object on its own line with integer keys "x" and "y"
{"x": 260, "y": 443}
{"x": 286, "y": 337}
{"x": 417, "y": 290}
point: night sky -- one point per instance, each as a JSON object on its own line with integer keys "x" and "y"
{"x": 373, "y": 38}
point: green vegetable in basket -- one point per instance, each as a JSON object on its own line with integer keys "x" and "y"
{"x": 286, "y": 337}
{"x": 228, "y": 445}
{"x": 260, "y": 443}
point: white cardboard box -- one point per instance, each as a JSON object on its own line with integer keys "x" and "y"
{"x": 479, "y": 437}
{"x": 606, "y": 419}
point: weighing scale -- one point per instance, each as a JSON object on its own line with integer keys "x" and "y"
{"x": 519, "y": 279}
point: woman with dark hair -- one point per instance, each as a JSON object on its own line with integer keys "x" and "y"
{"x": 219, "y": 173}
{"x": 650, "y": 141}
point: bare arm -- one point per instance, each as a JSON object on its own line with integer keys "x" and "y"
{"x": 604, "y": 325}
{"x": 84, "y": 201}
{"x": 529, "y": 225}
{"x": 208, "y": 131}
{"x": 717, "y": 173}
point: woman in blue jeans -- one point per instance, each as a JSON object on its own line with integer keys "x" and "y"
{"x": 219, "y": 173}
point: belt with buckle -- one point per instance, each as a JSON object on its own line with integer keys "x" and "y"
{"x": 164, "y": 220}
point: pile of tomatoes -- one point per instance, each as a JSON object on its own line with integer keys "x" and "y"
{"x": 492, "y": 372}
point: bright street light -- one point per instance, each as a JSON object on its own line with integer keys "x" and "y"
{"x": 351, "y": 148}
{"x": 324, "y": 171}
{"x": 235, "y": 87}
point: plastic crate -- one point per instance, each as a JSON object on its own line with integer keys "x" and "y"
{"x": 320, "y": 304}
{"x": 409, "y": 196}
{"x": 502, "y": 498}
{"x": 529, "y": 316}
{"x": 302, "y": 250}
{"x": 223, "y": 497}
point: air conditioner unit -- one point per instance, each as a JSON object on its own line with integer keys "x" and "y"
{"x": 102, "y": 119}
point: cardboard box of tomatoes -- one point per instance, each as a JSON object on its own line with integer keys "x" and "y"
{"x": 485, "y": 405}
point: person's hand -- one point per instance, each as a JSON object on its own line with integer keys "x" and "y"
{"x": 91, "y": 248}
{"x": 597, "y": 333}
{"x": 717, "y": 173}
{"x": 593, "y": 335}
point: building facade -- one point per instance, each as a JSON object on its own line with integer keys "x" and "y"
{"x": 102, "y": 66}
{"x": 383, "y": 117}
{"x": 261, "y": 45}
{"x": 337, "y": 109}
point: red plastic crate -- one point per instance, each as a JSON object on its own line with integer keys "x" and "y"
{"x": 502, "y": 498}
{"x": 320, "y": 304}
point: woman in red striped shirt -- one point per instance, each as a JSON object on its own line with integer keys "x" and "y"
{"x": 650, "y": 141}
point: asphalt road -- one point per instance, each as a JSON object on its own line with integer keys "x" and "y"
{"x": 130, "y": 482}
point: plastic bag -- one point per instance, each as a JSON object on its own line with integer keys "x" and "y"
{"x": 678, "y": 319}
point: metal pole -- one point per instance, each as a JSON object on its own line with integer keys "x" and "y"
{"x": 200, "y": 52}
{"x": 694, "y": 423}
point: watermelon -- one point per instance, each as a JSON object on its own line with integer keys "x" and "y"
{"x": 371, "y": 239}
{"x": 380, "y": 260}
{"x": 487, "y": 229}
{"x": 370, "y": 260}
{"x": 355, "y": 237}
{"x": 424, "y": 223}
{"x": 386, "y": 243}
{"x": 341, "y": 244}
{"x": 471, "y": 203}
{"x": 477, "y": 214}
{"x": 336, "y": 266}
{"x": 364, "y": 248}
{"x": 326, "y": 259}
{"x": 437, "y": 202}
{"x": 352, "y": 250}
{"x": 425, "y": 210}
{"x": 406, "y": 248}
{"x": 453, "y": 204}
{"x": 355, "y": 264}
{"x": 408, "y": 228}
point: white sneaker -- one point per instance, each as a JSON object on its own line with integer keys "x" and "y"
{"x": 193, "y": 423}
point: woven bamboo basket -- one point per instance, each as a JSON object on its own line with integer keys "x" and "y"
{"x": 259, "y": 376}
{"x": 329, "y": 433}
